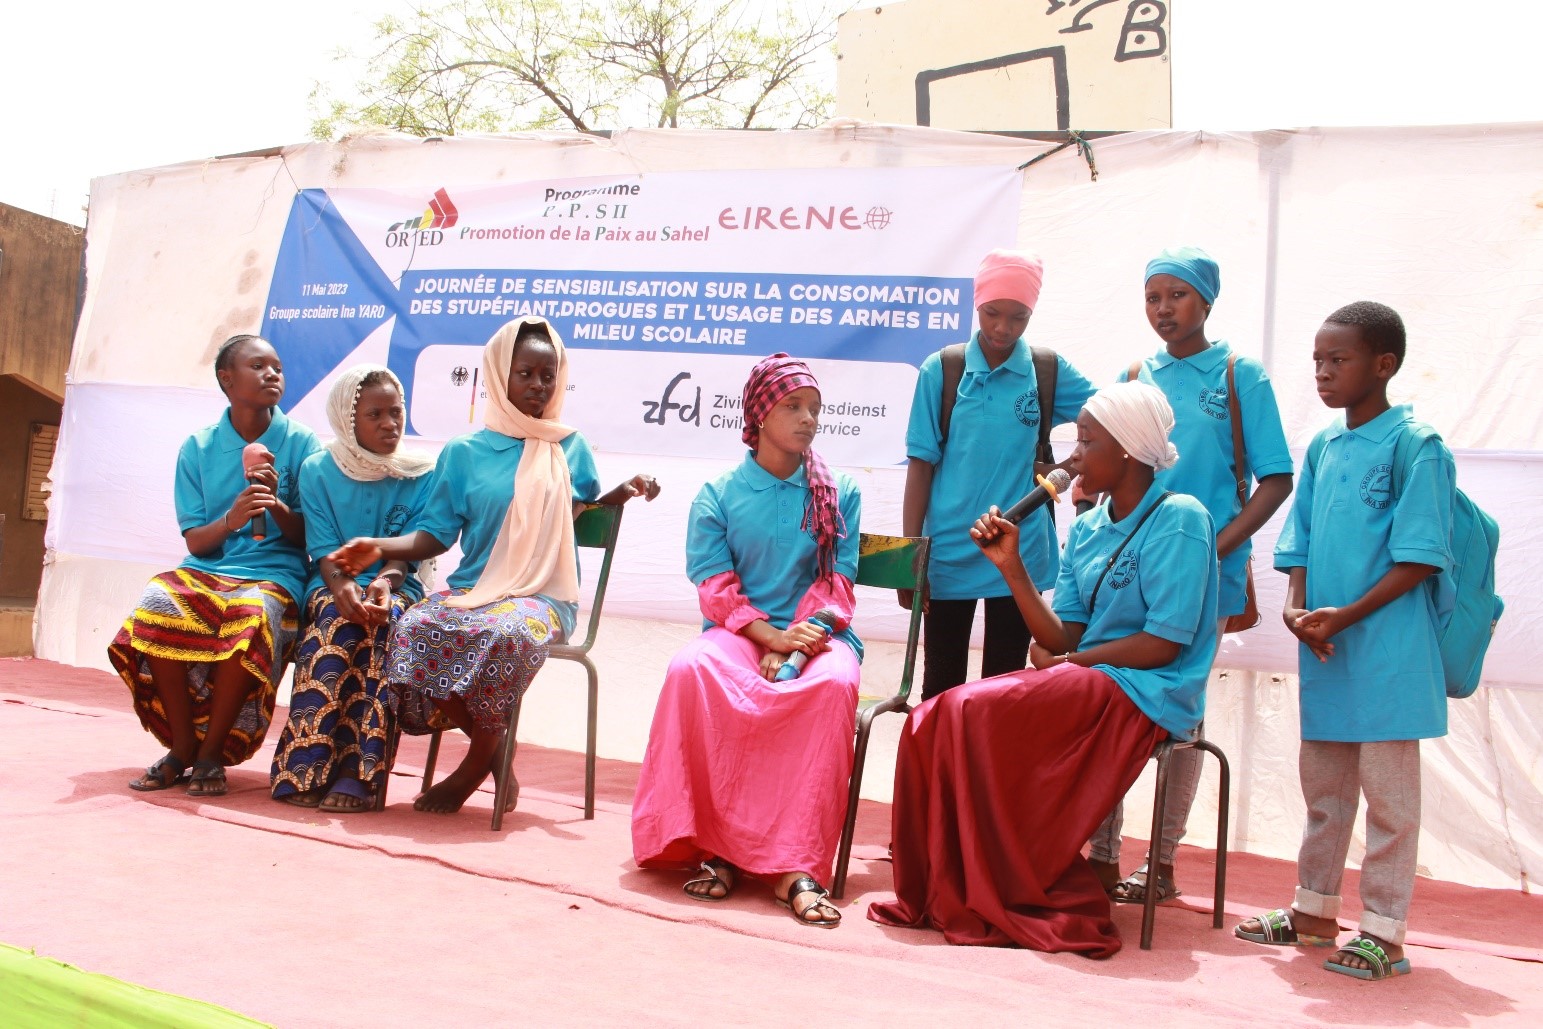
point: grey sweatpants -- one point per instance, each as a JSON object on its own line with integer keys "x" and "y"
{"x": 1334, "y": 778}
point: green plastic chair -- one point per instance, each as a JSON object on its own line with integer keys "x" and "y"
{"x": 596, "y": 528}
{"x": 890, "y": 563}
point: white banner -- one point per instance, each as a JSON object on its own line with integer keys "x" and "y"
{"x": 667, "y": 288}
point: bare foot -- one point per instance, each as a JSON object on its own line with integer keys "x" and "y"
{"x": 1108, "y": 873}
{"x": 446, "y": 797}
{"x": 345, "y": 803}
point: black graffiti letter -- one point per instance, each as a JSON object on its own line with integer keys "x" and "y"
{"x": 1143, "y": 34}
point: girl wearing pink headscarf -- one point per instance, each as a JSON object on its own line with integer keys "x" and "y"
{"x": 982, "y": 454}
{"x": 746, "y": 774}
{"x": 509, "y": 493}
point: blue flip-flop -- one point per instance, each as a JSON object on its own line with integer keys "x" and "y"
{"x": 1371, "y": 951}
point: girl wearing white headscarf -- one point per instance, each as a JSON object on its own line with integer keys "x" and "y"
{"x": 1000, "y": 782}
{"x": 509, "y": 494}
{"x": 333, "y": 752}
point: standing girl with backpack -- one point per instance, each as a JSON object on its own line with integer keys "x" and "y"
{"x": 978, "y": 435}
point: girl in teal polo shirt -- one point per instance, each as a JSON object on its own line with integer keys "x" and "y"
{"x": 999, "y": 782}
{"x": 1192, "y": 371}
{"x": 334, "y": 751}
{"x": 509, "y": 493}
{"x": 205, "y": 648}
{"x": 987, "y": 458}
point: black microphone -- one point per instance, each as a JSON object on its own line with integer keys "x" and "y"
{"x": 793, "y": 667}
{"x": 1049, "y": 490}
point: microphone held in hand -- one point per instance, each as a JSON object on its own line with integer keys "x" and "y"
{"x": 254, "y": 456}
{"x": 793, "y": 667}
{"x": 1049, "y": 489}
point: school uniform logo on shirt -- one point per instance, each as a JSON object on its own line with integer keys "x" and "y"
{"x": 1377, "y": 487}
{"x": 1214, "y": 402}
{"x": 396, "y": 520}
{"x": 1124, "y": 570}
{"x": 286, "y": 490}
{"x": 1027, "y": 408}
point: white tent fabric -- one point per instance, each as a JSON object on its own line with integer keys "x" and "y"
{"x": 1444, "y": 224}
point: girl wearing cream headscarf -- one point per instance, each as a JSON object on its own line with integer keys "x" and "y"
{"x": 509, "y": 494}
{"x": 333, "y": 752}
{"x": 999, "y": 782}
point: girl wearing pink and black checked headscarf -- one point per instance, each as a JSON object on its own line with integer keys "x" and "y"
{"x": 746, "y": 773}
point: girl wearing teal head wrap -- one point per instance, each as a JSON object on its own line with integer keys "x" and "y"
{"x": 1181, "y": 284}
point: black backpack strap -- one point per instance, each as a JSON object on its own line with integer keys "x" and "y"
{"x": 952, "y": 357}
{"x": 1045, "y": 368}
{"x": 1121, "y": 549}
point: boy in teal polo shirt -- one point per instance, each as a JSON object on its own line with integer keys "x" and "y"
{"x": 1359, "y": 555}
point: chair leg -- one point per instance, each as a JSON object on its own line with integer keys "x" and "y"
{"x": 854, "y": 788}
{"x": 503, "y": 779}
{"x": 393, "y": 740}
{"x": 589, "y": 739}
{"x": 1223, "y": 807}
{"x": 1155, "y": 848}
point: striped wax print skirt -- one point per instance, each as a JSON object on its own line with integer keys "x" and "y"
{"x": 486, "y": 656}
{"x": 200, "y": 619}
{"x": 340, "y": 715}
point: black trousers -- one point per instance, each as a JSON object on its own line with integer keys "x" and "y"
{"x": 946, "y": 645}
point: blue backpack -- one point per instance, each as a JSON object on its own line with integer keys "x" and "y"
{"x": 1467, "y": 607}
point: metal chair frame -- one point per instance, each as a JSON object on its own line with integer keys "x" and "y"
{"x": 877, "y": 566}
{"x": 597, "y": 528}
{"x": 1165, "y": 751}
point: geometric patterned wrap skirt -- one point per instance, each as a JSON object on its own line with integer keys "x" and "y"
{"x": 486, "y": 656}
{"x": 200, "y": 618}
{"x": 998, "y": 784}
{"x": 340, "y": 716}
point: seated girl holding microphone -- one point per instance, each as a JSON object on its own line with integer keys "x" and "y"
{"x": 509, "y": 493}
{"x": 747, "y": 765}
{"x": 999, "y": 782}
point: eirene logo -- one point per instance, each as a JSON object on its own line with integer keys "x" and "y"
{"x": 805, "y": 219}
{"x": 424, "y": 229}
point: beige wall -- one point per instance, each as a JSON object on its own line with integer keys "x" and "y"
{"x": 39, "y": 291}
{"x": 959, "y": 64}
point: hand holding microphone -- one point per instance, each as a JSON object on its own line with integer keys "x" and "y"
{"x": 1048, "y": 491}
{"x": 824, "y": 619}
{"x": 1002, "y": 544}
{"x": 257, "y": 463}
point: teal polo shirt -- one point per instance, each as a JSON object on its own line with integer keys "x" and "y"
{"x": 749, "y": 522}
{"x": 470, "y": 492}
{"x": 339, "y": 508}
{"x": 1164, "y": 583}
{"x": 1196, "y": 388}
{"x": 210, "y": 477}
{"x": 1347, "y": 529}
{"x": 988, "y": 459}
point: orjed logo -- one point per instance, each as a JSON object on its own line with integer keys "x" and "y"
{"x": 424, "y": 230}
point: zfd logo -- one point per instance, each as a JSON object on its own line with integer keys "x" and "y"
{"x": 424, "y": 230}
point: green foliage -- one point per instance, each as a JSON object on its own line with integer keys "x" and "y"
{"x": 509, "y": 65}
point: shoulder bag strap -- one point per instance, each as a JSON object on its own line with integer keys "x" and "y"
{"x": 1121, "y": 549}
{"x": 1235, "y": 412}
{"x": 953, "y": 371}
{"x": 1045, "y": 369}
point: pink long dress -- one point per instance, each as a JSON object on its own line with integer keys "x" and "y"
{"x": 743, "y": 769}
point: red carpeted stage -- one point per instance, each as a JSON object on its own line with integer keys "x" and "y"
{"x": 398, "y": 918}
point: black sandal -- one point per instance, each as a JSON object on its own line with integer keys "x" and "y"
{"x": 155, "y": 776}
{"x": 1133, "y": 888}
{"x": 208, "y": 780}
{"x": 719, "y": 873}
{"x": 821, "y": 900}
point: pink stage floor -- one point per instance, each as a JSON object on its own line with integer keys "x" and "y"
{"x": 398, "y": 918}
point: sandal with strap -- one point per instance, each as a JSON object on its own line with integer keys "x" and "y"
{"x": 1133, "y": 888}
{"x": 1276, "y": 930}
{"x": 208, "y": 780}
{"x": 821, "y": 903}
{"x": 155, "y": 776}
{"x": 719, "y": 873}
{"x": 1370, "y": 951}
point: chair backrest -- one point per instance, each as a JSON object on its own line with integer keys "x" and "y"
{"x": 597, "y": 527}
{"x": 898, "y": 563}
